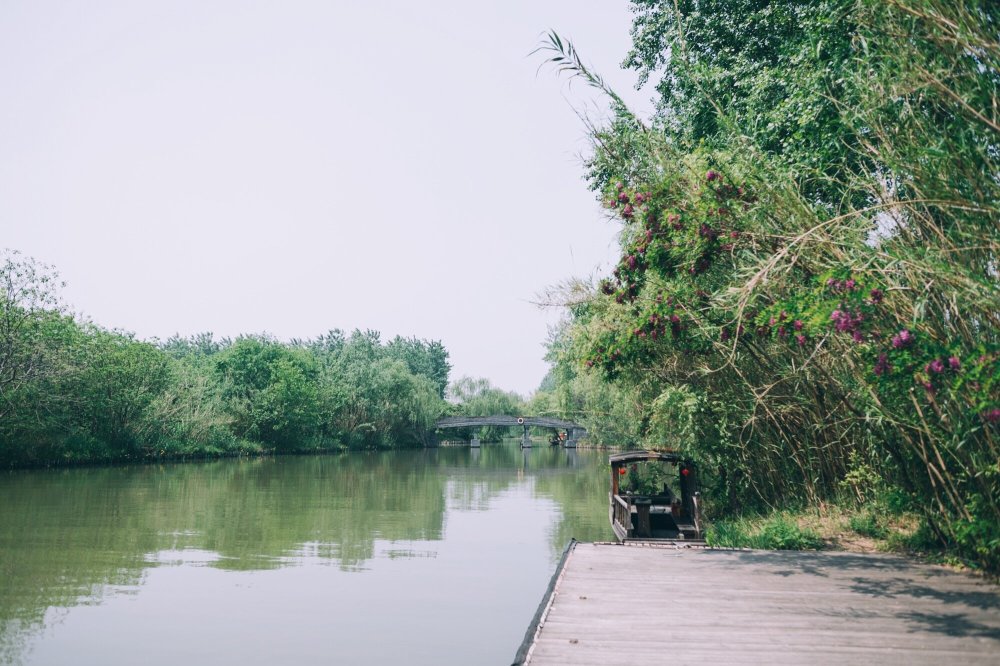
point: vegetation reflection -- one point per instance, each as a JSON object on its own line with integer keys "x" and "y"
{"x": 72, "y": 536}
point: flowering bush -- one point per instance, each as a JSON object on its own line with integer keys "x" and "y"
{"x": 824, "y": 299}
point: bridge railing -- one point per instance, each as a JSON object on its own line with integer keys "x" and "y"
{"x": 504, "y": 420}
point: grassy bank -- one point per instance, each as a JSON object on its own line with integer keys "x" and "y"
{"x": 836, "y": 527}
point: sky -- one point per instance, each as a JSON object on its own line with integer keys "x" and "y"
{"x": 298, "y": 166}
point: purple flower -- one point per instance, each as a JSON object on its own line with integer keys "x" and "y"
{"x": 801, "y": 339}
{"x": 623, "y": 197}
{"x": 992, "y": 416}
{"x": 858, "y": 337}
{"x": 850, "y": 285}
{"x": 781, "y": 332}
{"x": 936, "y": 366}
{"x": 711, "y": 175}
{"x": 882, "y": 365}
{"x": 797, "y": 325}
{"x": 724, "y": 335}
{"x": 620, "y": 186}
{"x": 902, "y": 339}
{"x": 845, "y": 321}
{"x": 954, "y": 363}
{"x": 876, "y": 296}
{"x": 627, "y": 211}
{"x": 639, "y": 198}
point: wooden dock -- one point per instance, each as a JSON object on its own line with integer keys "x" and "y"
{"x": 613, "y": 604}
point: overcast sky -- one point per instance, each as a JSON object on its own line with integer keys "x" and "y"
{"x": 296, "y": 166}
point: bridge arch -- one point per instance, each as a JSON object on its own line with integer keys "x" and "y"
{"x": 574, "y": 431}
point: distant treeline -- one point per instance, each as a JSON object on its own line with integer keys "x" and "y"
{"x": 71, "y": 391}
{"x": 807, "y": 298}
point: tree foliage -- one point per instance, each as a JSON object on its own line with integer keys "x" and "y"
{"x": 809, "y": 245}
{"x": 71, "y": 391}
{"x": 28, "y": 302}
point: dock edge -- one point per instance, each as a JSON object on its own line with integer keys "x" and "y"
{"x": 524, "y": 651}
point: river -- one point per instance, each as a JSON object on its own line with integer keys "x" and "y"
{"x": 436, "y": 556}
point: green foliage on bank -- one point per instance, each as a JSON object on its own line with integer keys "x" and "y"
{"x": 777, "y": 532}
{"x": 807, "y": 298}
{"x": 71, "y": 391}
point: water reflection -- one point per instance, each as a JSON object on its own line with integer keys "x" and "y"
{"x": 85, "y": 537}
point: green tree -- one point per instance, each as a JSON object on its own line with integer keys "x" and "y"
{"x": 28, "y": 300}
{"x": 428, "y": 359}
{"x": 271, "y": 392}
{"x": 72, "y": 391}
{"x": 115, "y": 378}
{"x": 772, "y": 72}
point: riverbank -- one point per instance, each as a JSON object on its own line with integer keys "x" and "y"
{"x": 251, "y": 451}
{"x": 837, "y": 527}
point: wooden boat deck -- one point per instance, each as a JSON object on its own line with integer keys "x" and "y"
{"x": 634, "y": 604}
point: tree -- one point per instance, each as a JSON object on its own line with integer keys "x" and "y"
{"x": 28, "y": 299}
{"x": 772, "y": 72}
{"x": 426, "y": 358}
{"x": 114, "y": 379}
{"x": 271, "y": 392}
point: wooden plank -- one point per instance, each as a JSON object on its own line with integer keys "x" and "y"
{"x": 621, "y": 604}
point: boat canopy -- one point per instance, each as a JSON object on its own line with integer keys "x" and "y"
{"x": 619, "y": 459}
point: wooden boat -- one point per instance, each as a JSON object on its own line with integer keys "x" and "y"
{"x": 654, "y": 497}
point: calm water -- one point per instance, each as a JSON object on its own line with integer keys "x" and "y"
{"x": 410, "y": 557}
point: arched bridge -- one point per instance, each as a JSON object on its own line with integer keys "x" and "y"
{"x": 574, "y": 431}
